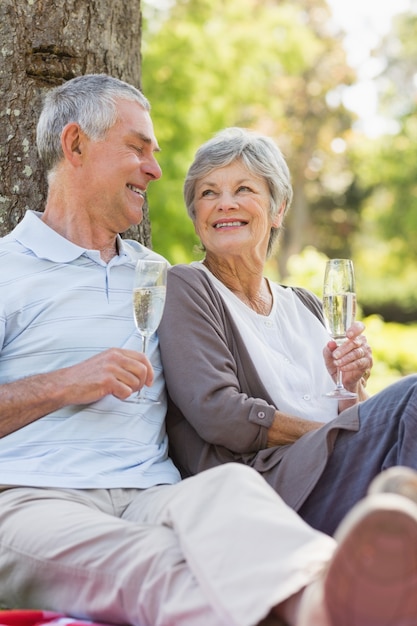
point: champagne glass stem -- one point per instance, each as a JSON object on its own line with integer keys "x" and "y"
{"x": 339, "y": 379}
{"x": 142, "y": 391}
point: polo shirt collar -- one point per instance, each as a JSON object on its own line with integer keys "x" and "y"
{"x": 47, "y": 244}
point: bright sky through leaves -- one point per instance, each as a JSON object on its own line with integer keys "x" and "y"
{"x": 365, "y": 22}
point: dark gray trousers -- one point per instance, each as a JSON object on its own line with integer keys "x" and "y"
{"x": 387, "y": 437}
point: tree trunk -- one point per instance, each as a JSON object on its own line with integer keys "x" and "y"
{"x": 44, "y": 43}
{"x": 297, "y": 227}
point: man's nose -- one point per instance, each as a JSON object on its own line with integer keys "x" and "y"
{"x": 153, "y": 169}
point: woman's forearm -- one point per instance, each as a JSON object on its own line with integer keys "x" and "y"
{"x": 287, "y": 429}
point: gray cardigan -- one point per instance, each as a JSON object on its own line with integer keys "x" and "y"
{"x": 219, "y": 410}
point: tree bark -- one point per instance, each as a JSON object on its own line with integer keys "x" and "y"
{"x": 44, "y": 43}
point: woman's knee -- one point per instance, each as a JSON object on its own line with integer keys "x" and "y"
{"x": 234, "y": 472}
{"x": 235, "y": 475}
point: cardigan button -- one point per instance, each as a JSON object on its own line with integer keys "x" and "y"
{"x": 261, "y": 415}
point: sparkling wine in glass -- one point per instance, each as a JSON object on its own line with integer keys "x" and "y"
{"x": 149, "y": 289}
{"x": 339, "y": 308}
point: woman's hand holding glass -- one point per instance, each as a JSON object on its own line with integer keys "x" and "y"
{"x": 349, "y": 352}
{"x": 339, "y": 308}
{"x": 354, "y": 357}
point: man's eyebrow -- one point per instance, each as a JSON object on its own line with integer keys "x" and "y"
{"x": 145, "y": 139}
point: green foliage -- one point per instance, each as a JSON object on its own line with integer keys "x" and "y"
{"x": 384, "y": 248}
{"x": 277, "y": 66}
{"x": 393, "y": 349}
{"x": 386, "y": 177}
{"x": 208, "y": 64}
{"x": 388, "y": 169}
{"x": 387, "y": 282}
{"x": 307, "y": 270}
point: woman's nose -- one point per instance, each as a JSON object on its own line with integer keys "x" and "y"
{"x": 227, "y": 201}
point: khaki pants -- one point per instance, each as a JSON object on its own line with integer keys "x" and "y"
{"x": 218, "y": 549}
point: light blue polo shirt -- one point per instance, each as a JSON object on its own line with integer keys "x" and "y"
{"x": 59, "y": 305}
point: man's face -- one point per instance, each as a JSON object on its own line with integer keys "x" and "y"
{"x": 118, "y": 169}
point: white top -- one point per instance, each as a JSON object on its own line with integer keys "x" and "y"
{"x": 61, "y": 304}
{"x": 286, "y": 347}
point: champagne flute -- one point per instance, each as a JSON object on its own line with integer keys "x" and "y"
{"x": 339, "y": 308}
{"x": 149, "y": 289}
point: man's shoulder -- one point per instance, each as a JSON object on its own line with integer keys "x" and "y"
{"x": 27, "y": 229}
{"x": 9, "y": 241}
{"x": 138, "y": 251}
{"x": 9, "y": 245}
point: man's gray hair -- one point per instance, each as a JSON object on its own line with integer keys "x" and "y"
{"x": 258, "y": 153}
{"x": 88, "y": 100}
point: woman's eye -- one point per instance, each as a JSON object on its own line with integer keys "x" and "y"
{"x": 244, "y": 188}
{"x": 206, "y": 192}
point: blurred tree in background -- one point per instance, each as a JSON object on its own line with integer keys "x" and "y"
{"x": 271, "y": 66}
{"x": 280, "y": 67}
{"x": 386, "y": 171}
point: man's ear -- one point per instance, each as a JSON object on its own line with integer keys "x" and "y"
{"x": 72, "y": 140}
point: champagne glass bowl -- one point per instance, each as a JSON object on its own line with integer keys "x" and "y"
{"x": 339, "y": 308}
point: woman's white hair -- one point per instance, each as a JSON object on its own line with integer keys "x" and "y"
{"x": 257, "y": 152}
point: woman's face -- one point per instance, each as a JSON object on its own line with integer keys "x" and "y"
{"x": 232, "y": 211}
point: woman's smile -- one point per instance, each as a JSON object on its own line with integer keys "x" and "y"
{"x": 227, "y": 224}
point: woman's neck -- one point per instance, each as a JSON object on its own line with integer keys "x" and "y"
{"x": 248, "y": 284}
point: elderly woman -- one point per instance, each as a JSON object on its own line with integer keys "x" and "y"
{"x": 247, "y": 362}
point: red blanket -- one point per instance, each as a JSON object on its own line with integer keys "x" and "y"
{"x": 29, "y": 617}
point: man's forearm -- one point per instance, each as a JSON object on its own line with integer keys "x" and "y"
{"x": 28, "y": 399}
{"x": 116, "y": 371}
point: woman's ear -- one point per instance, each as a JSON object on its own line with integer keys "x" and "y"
{"x": 195, "y": 225}
{"x": 72, "y": 138}
{"x": 279, "y": 216}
